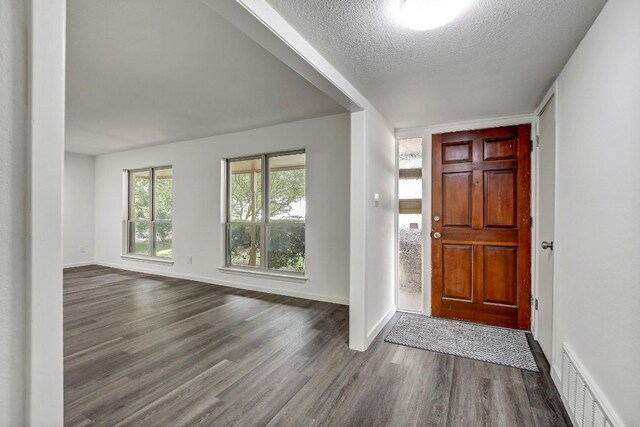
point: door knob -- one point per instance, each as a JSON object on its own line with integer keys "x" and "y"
{"x": 547, "y": 245}
{"x": 437, "y": 235}
{"x": 436, "y": 218}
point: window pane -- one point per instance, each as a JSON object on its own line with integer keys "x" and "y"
{"x": 410, "y": 153}
{"x": 244, "y": 244}
{"x": 410, "y": 225}
{"x": 287, "y": 247}
{"x": 139, "y": 237}
{"x": 410, "y": 188}
{"x": 410, "y": 262}
{"x": 141, "y": 198}
{"x": 163, "y": 193}
{"x": 164, "y": 239}
{"x": 287, "y": 188}
{"x": 245, "y": 190}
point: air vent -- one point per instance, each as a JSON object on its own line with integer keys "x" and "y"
{"x": 580, "y": 400}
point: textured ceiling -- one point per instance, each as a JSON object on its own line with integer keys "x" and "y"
{"x": 497, "y": 58}
{"x": 142, "y": 72}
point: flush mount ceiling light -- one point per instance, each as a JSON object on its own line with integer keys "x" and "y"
{"x": 429, "y": 14}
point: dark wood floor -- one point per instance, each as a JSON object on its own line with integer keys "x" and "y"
{"x": 149, "y": 350}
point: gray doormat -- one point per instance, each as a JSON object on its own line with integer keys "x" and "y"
{"x": 503, "y": 346}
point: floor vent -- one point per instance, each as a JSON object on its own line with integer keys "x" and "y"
{"x": 582, "y": 403}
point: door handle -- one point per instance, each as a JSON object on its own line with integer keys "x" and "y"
{"x": 436, "y": 235}
{"x": 547, "y": 245}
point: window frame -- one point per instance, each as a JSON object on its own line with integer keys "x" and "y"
{"x": 265, "y": 221}
{"x": 411, "y": 206}
{"x": 152, "y": 221}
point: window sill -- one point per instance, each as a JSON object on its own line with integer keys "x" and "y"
{"x": 152, "y": 260}
{"x": 264, "y": 274}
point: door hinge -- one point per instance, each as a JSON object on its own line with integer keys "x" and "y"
{"x": 530, "y": 222}
{"x": 531, "y": 145}
{"x": 536, "y": 304}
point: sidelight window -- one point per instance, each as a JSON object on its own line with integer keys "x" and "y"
{"x": 409, "y": 284}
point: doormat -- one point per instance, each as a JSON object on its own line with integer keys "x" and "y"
{"x": 502, "y": 346}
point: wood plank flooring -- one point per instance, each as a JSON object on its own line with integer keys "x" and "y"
{"x": 145, "y": 350}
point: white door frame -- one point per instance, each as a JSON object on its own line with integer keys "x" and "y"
{"x": 426, "y": 133}
{"x": 551, "y": 93}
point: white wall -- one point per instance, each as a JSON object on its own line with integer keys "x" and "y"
{"x": 197, "y": 204}
{"x": 78, "y": 226}
{"x": 13, "y": 187}
{"x": 372, "y": 227}
{"x": 380, "y": 232}
{"x": 597, "y": 250}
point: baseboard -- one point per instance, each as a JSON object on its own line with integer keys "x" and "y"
{"x": 265, "y": 289}
{"x": 555, "y": 377}
{"x": 380, "y": 324}
{"x": 78, "y": 264}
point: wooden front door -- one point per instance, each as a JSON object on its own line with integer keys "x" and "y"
{"x": 481, "y": 226}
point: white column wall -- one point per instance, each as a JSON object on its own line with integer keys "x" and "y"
{"x": 46, "y": 159}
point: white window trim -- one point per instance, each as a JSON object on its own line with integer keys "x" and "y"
{"x": 267, "y": 274}
{"x": 149, "y": 259}
{"x": 262, "y": 270}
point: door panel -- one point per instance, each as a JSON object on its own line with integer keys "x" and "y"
{"x": 500, "y": 148}
{"x": 481, "y": 223}
{"x": 457, "y": 271}
{"x": 500, "y": 277}
{"x": 500, "y": 198}
{"x": 457, "y": 200}
{"x": 546, "y": 224}
{"x": 457, "y": 152}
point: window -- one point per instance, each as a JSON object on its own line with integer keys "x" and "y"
{"x": 265, "y": 227}
{"x": 149, "y": 226}
{"x": 410, "y": 225}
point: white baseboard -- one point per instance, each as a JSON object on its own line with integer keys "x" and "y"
{"x": 78, "y": 264}
{"x": 380, "y": 324}
{"x": 266, "y": 289}
{"x": 555, "y": 376}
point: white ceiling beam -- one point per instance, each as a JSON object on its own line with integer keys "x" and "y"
{"x": 258, "y": 20}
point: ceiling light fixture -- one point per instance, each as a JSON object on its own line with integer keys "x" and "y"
{"x": 429, "y": 14}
